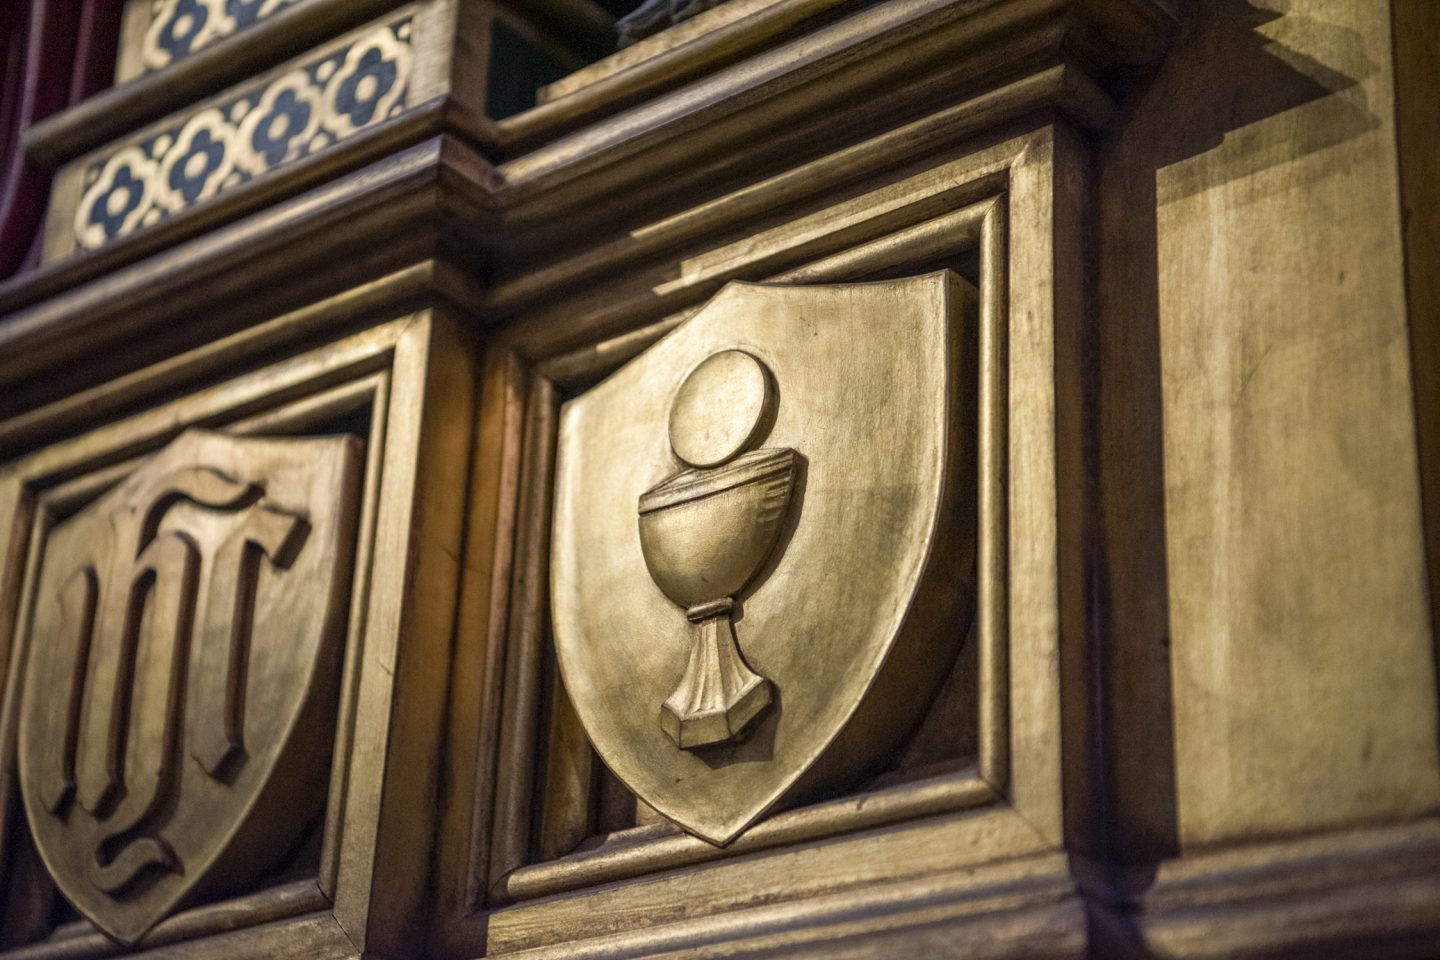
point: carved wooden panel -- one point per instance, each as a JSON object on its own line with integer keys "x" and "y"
{"x": 861, "y": 500}
{"x": 322, "y": 98}
{"x": 560, "y": 850}
{"x": 184, "y": 659}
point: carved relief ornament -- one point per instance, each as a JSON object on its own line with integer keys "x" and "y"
{"x": 181, "y": 672}
{"x": 763, "y": 541}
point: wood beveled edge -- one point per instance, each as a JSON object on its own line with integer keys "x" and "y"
{"x": 654, "y": 848}
{"x": 577, "y": 339}
{"x": 684, "y": 35}
{"x": 577, "y": 369}
{"x": 390, "y": 817}
{"x": 589, "y": 92}
{"x": 288, "y": 901}
{"x": 832, "y": 62}
{"x": 1364, "y": 891}
{"x": 398, "y": 193}
{"x": 364, "y": 566}
{"x": 58, "y": 290}
{"x": 1023, "y": 906}
{"x": 525, "y": 634}
{"x": 291, "y": 413}
{"x": 979, "y": 224}
{"x": 949, "y": 233}
{"x": 70, "y": 298}
{"x": 992, "y": 458}
{"x": 148, "y": 429}
{"x": 399, "y": 291}
{"x": 478, "y": 669}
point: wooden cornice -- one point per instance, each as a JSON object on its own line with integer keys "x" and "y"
{"x": 879, "y": 89}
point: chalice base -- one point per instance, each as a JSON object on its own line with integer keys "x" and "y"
{"x": 719, "y": 695}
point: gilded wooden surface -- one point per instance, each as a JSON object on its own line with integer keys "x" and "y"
{"x": 1194, "y": 713}
{"x": 1283, "y": 611}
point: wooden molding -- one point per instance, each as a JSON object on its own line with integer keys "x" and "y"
{"x": 961, "y": 69}
{"x": 1365, "y": 893}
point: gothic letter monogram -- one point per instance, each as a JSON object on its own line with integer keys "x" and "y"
{"x": 182, "y": 653}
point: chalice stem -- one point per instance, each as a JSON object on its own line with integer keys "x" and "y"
{"x": 719, "y": 694}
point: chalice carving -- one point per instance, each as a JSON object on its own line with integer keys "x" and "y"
{"x": 707, "y": 531}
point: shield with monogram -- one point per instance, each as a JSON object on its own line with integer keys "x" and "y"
{"x": 181, "y": 673}
{"x": 764, "y": 542}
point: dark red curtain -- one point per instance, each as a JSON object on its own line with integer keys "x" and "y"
{"x": 55, "y": 53}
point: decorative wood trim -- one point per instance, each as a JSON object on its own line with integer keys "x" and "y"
{"x": 313, "y": 935}
{"x": 398, "y": 291}
{"x": 80, "y": 940}
{"x": 399, "y": 195}
{"x": 1416, "y": 33}
{"x": 806, "y": 98}
{"x": 478, "y": 674}
{"x": 136, "y": 100}
{"x": 656, "y": 848}
{"x": 151, "y": 157}
{"x": 1023, "y": 908}
{"x": 528, "y": 630}
{"x": 716, "y": 36}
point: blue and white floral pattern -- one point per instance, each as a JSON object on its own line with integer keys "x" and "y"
{"x": 240, "y": 14}
{"x": 123, "y": 190}
{"x": 368, "y": 83}
{"x": 179, "y": 28}
{"x": 281, "y": 125}
{"x": 186, "y": 26}
{"x": 195, "y": 166}
{"x": 250, "y": 131}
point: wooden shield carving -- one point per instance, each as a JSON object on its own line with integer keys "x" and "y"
{"x": 182, "y": 662}
{"x": 764, "y": 542}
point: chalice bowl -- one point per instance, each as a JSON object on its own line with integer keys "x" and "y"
{"x": 707, "y": 532}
